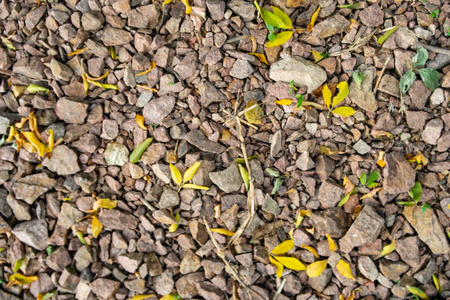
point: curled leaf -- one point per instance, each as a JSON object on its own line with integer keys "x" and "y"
{"x": 344, "y": 268}
{"x": 31, "y": 137}
{"x": 104, "y": 203}
{"x": 301, "y": 215}
{"x": 98, "y": 78}
{"x": 349, "y": 6}
{"x": 140, "y": 120}
{"x": 311, "y": 249}
{"x": 113, "y": 53}
{"x": 437, "y": 284}
{"x": 358, "y": 77}
{"x": 284, "y": 247}
{"x": 280, "y": 39}
{"x": 76, "y": 52}
{"x": 262, "y": 58}
{"x": 279, "y": 266}
{"x": 291, "y": 263}
{"x": 103, "y": 85}
{"x": 332, "y": 244}
{"x": 46, "y": 296}
{"x": 174, "y": 227}
{"x": 81, "y": 237}
{"x": 152, "y": 66}
{"x": 241, "y": 160}
{"x": 195, "y": 186}
{"x": 176, "y": 175}
{"x": 135, "y": 156}
{"x": 85, "y": 83}
{"x": 34, "y": 88}
{"x": 380, "y": 160}
{"x": 17, "y": 265}
{"x": 388, "y": 249}
{"x": 8, "y": 44}
{"x": 222, "y": 231}
{"x": 416, "y": 191}
{"x": 316, "y": 268}
{"x": 97, "y": 227}
{"x": 418, "y": 292}
{"x": 189, "y": 174}
{"x": 226, "y": 134}
{"x": 371, "y": 193}
{"x": 244, "y": 175}
{"x": 313, "y": 20}
{"x": 327, "y": 151}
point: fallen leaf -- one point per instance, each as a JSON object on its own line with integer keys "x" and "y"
{"x": 136, "y": 155}
{"x": 76, "y": 52}
{"x": 416, "y": 191}
{"x": 152, "y": 66}
{"x": 143, "y": 297}
{"x": 280, "y": 39}
{"x": 140, "y": 120}
{"x": 301, "y": 215}
{"x": 17, "y": 265}
{"x": 349, "y": 6}
{"x": 343, "y": 111}
{"x": 388, "y": 249}
{"x": 244, "y": 175}
{"x": 113, "y": 53}
{"x": 311, "y": 249}
{"x": 262, "y": 58}
{"x": 283, "y": 16}
{"x": 85, "y": 83}
{"x": 34, "y": 88}
{"x": 318, "y": 56}
{"x": 170, "y": 297}
{"x": 254, "y": 44}
{"x": 174, "y": 227}
{"x": 189, "y": 174}
{"x": 332, "y": 244}
{"x": 385, "y": 36}
{"x": 105, "y": 86}
{"x": 418, "y": 292}
{"x": 254, "y": 115}
{"x": 31, "y": 137}
{"x": 326, "y": 92}
{"x": 195, "y": 187}
{"x": 437, "y": 284}
{"x": 279, "y": 266}
{"x": 316, "y": 268}
{"x": 104, "y": 203}
{"x": 80, "y": 237}
{"x": 222, "y": 231}
{"x": 291, "y": 263}
{"x": 380, "y": 160}
{"x": 176, "y": 175}
{"x": 46, "y": 296}
{"x": 19, "y": 279}
{"x": 97, "y": 227}
{"x": 98, "y": 78}
{"x": 371, "y": 193}
{"x": 327, "y": 151}
{"x": 226, "y": 134}
{"x": 284, "y": 247}
{"x": 344, "y": 268}
{"x": 381, "y": 134}
{"x": 188, "y": 7}
{"x": 313, "y": 20}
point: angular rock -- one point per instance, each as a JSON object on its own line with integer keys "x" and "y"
{"x": 324, "y": 167}
{"x": 4, "y": 227}
{"x": 241, "y": 69}
{"x": 71, "y": 111}
{"x": 116, "y": 154}
{"x": 416, "y": 119}
{"x": 169, "y": 198}
{"x": 432, "y": 131}
{"x": 157, "y": 109}
{"x": 320, "y": 282}
{"x": 304, "y": 162}
{"x": 20, "y": 210}
{"x": 216, "y": 9}
{"x": 190, "y": 263}
{"x": 302, "y": 71}
{"x": 330, "y": 193}
{"x": 228, "y": 180}
{"x": 245, "y": 9}
{"x": 389, "y": 85}
{"x": 438, "y": 97}
{"x": 443, "y": 144}
{"x": 209, "y": 94}
{"x": 31, "y": 67}
{"x": 398, "y": 175}
{"x": 69, "y": 281}
{"x": 429, "y": 229}
{"x": 364, "y": 229}
{"x": 164, "y": 283}
{"x": 29, "y": 188}
{"x": 199, "y": 140}
{"x": 270, "y": 205}
{"x": 32, "y": 233}
{"x": 116, "y": 37}
{"x": 187, "y": 66}
{"x": 372, "y": 16}
{"x": 144, "y": 16}
{"x": 104, "y": 288}
{"x": 130, "y": 261}
{"x": 116, "y": 219}
{"x": 404, "y": 38}
{"x": 59, "y": 259}
{"x": 330, "y": 26}
{"x": 60, "y": 70}
{"x": 63, "y": 161}
{"x": 364, "y": 96}
{"x": 332, "y": 221}
{"x": 368, "y": 268}
{"x": 83, "y": 258}
{"x": 392, "y": 270}
{"x": 209, "y": 291}
{"x": 361, "y": 147}
{"x": 69, "y": 215}
{"x": 419, "y": 94}
{"x": 408, "y": 249}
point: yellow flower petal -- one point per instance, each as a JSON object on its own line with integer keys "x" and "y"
{"x": 284, "y": 247}
{"x": 188, "y": 7}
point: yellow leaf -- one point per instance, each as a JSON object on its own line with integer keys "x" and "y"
{"x": 165, "y": 3}
{"x": 244, "y": 175}
{"x": 313, "y": 20}
{"x": 143, "y": 297}
{"x": 301, "y": 215}
{"x": 262, "y": 58}
{"x": 316, "y": 268}
{"x": 98, "y": 78}
{"x": 76, "y": 52}
{"x": 140, "y": 120}
{"x": 254, "y": 115}
{"x": 152, "y": 66}
{"x": 371, "y": 193}
{"x": 174, "y": 227}
{"x": 226, "y": 134}
{"x": 104, "y": 203}
{"x": 283, "y": 16}
{"x": 21, "y": 279}
{"x": 189, "y": 174}
{"x": 284, "y": 247}
{"x": 318, "y": 56}
{"x": 97, "y": 227}
{"x": 283, "y": 102}
{"x": 222, "y": 231}
{"x": 188, "y": 7}
{"x": 332, "y": 244}
{"x": 437, "y": 284}
{"x": 50, "y": 141}
{"x": 195, "y": 187}
{"x": 103, "y": 85}
{"x": 344, "y": 268}
{"x": 388, "y": 249}
{"x": 327, "y": 151}
{"x": 326, "y": 92}
{"x": 85, "y": 83}
{"x": 280, "y": 39}
{"x": 146, "y": 87}
{"x": 34, "y": 88}
{"x": 311, "y": 249}
{"x": 170, "y": 297}
{"x": 380, "y": 160}
{"x": 418, "y": 292}
{"x": 343, "y": 111}
{"x": 343, "y": 92}
{"x": 277, "y": 265}
{"x": 31, "y": 137}
{"x": 291, "y": 263}
{"x": 12, "y": 133}
{"x": 176, "y": 175}
{"x": 112, "y": 52}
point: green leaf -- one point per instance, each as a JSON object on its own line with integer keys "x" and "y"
{"x": 2, "y": 141}
{"x": 273, "y": 173}
{"x": 406, "y": 203}
{"x": 241, "y": 160}
{"x": 244, "y": 175}
{"x": 425, "y": 207}
{"x": 272, "y": 19}
{"x": 430, "y": 78}
{"x": 420, "y": 58}
{"x": 385, "y": 36}
{"x": 50, "y": 249}
{"x": 135, "y": 156}
{"x": 363, "y": 179}
{"x": 373, "y": 177}
{"x": 358, "y": 77}
{"x": 271, "y": 37}
{"x": 280, "y": 39}
{"x": 418, "y": 292}
{"x": 17, "y": 265}
{"x": 300, "y": 100}
{"x": 270, "y": 27}
{"x": 284, "y": 17}
{"x": 277, "y": 185}
{"x": 416, "y": 192}
{"x": 406, "y": 81}
{"x": 344, "y": 200}
{"x": 349, "y": 6}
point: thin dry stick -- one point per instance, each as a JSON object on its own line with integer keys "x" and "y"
{"x": 358, "y": 43}
{"x": 381, "y": 74}
{"x": 432, "y": 48}
{"x": 280, "y": 288}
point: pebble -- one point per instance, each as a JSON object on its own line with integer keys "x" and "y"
{"x": 432, "y": 131}
{"x": 228, "y": 180}
{"x": 63, "y": 161}
{"x": 362, "y": 147}
{"x": 32, "y": 233}
{"x": 31, "y": 187}
{"x": 157, "y": 109}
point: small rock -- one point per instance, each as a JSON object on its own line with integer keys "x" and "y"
{"x": 190, "y": 263}
{"x": 169, "y": 198}
{"x": 63, "y": 161}
{"x": 398, "y": 175}
{"x": 20, "y": 210}
{"x": 429, "y": 229}
{"x": 364, "y": 229}
{"x": 144, "y": 16}
{"x": 71, "y": 111}
{"x": 361, "y": 147}
{"x": 425, "y": 275}
{"x": 116, "y": 154}
{"x": 228, "y": 180}
{"x": 432, "y": 131}
{"x": 187, "y": 66}
{"x": 408, "y": 249}
{"x": 392, "y": 270}
{"x": 104, "y": 288}
{"x": 130, "y": 261}
{"x": 116, "y": 219}
{"x": 69, "y": 281}
{"x": 270, "y": 205}
{"x": 83, "y": 258}
{"x": 332, "y": 221}
{"x": 116, "y": 37}
{"x": 92, "y": 20}
{"x": 68, "y": 215}
{"x": 372, "y": 16}
{"x": 437, "y": 97}
{"x": 330, "y": 193}
{"x": 198, "y": 139}
{"x": 330, "y": 26}
{"x": 303, "y": 72}
{"x": 242, "y": 69}
{"x": 304, "y": 162}
{"x": 404, "y": 38}
{"x": 4, "y": 227}
{"x": 164, "y": 283}
{"x": 31, "y": 67}
{"x": 29, "y": 188}
{"x": 158, "y": 109}
{"x": 59, "y": 259}
{"x": 246, "y": 10}
{"x": 32, "y": 233}
{"x": 216, "y": 9}
{"x": 324, "y": 167}
{"x": 154, "y": 153}
{"x": 419, "y": 94}
{"x": 416, "y": 119}
{"x": 443, "y": 144}
{"x": 209, "y": 94}
{"x": 320, "y": 282}
{"x": 368, "y": 268}
{"x": 389, "y": 85}
{"x": 60, "y": 70}
{"x": 110, "y": 130}
{"x": 364, "y": 97}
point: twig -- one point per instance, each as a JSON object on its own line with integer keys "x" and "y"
{"x": 149, "y": 206}
{"x": 360, "y": 42}
{"x": 381, "y": 74}
{"x": 280, "y": 288}
{"x": 432, "y": 48}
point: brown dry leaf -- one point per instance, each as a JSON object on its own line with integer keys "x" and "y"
{"x": 332, "y": 244}
{"x": 284, "y": 247}
{"x": 313, "y": 20}
{"x": 344, "y": 268}
{"x": 381, "y": 134}
{"x": 371, "y": 193}
{"x": 316, "y": 268}
{"x": 97, "y": 227}
{"x": 254, "y": 115}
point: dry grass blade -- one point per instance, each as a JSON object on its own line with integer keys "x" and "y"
{"x": 358, "y": 43}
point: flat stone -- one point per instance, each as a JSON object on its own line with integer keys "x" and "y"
{"x": 364, "y": 97}
{"x": 361, "y": 147}
{"x": 187, "y": 66}
{"x": 63, "y": 161}
{"x": 392, "y": 270}
{"x": 429, "y": 229}
{"x": 31, "y": 67}
{"x": 130, "y": 261}
{"x": 320, "y": 282}
{"x": 330, "y": 193}
{"x": 209, "y": 94}
{"x": 389, "y": 85}
{"x": 228, "y": 180}
{"x": 432, "y": 131}
{"x": 32, "y": 233}
{"x": 116, "y": 219}
{"x": 302, "y": 71}
{"x": 305, "y": 162}
{"x": 216, "y": 8}
{"x": 20, "y": 210}
{"x": 199, "y": 140}
{"x": 443, "y": 144}
{"x": 158, "y": 109}
{"x": 398, "y": 175}
{"x": 29, "y": 188}
{"x": 332, "y": 221}
{"x": 59, "y": 259}
{"x": 116, "y": 37}
{"x": 364, "y": 229}
{"x": 209, "y": 291}
{"x": 145, "y": 16}
{"x": 330, "y": 26}
{"x": 71, "y": 111}
{"x": 408, "y": 249}
{"x": 104, "y": 288}
{"x": 419, "y": 94}
{"x": 367, "y": 267}
{"x": 60, "y": 70}
{"x": 83, "y": 257}
{"x": 246, "y": 10}
{"x": 270, "y": 205}
{"x": 116, "y": 154}
{"x": 242, "y": 69}
{"x": 68, "y": 215}
{"x": 437, "y": 97}
{"x": 190, "y": 263}
{"x": 404, "y": 37}
{"x": 372, "y": 16}
{"x": 169, "y": 198}
{"x": 416, "y": 119}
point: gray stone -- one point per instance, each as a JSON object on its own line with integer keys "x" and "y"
{"x": 198, "y": 139}
{"x": 398, "y": 175}
{"x": 29, "y": 188}
{"x": 389, "y": 85}
{"x": 209, "y": 94}
{"x": 69, "y": 215}
{"x": 130, "y": 261}
{"x": 241, "y": 69}
{"x": 71, "y": 111}
{"x": 190, "y": 263}
{"x": 19, "y": 209}
{"x": 104, "y": 288}
{"x": 437, "y": 97}
{"x": 367, "y": 267}
{"x": 330, "y": 193}
{"x": 432, "y": 131}
{"x": 228, "y": 180}
{"x": 60, "y": 70}
{"x": 364, "y": 97}
{"x": 32, "y": 233}
{"x": 246, "y": 10}
{"x": 157, "y": 109}
{"x": 59, "y": 259}
{"x": 116, "y": 37}
{"x": 169, "y": 198}
{"x": 332, "y": 221}
{"x": 330, "y": 26}
{"x": 116, "y": 154}
{"x": 361, "y": 147}
{"x": 63, "y": 161}
{"x": 270, "y": 205}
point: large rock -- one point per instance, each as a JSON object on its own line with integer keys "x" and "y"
{"x": 302, "y": 71}
{"x": 31, "y": 67}
{"x": 157, "y": 109}
{"x": 116, "y": 37}
{"x": 228, "y": 180}
{"x": 209, "y": 94}
{"x": 199, "y": 140}
{"x": 364, "y": 97}
{"x": 31, "y": 187}
{"x": 429, "y": 229}
{"x": 399, "y": 176}
{"x": 63, "y": 161}
{"x": 32, "y": 233}
{"x": 71, "y": 111}
{"x": 104, "y": 288}
{"x": 364, "y": 229}
{"x": 116, "y": 219}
